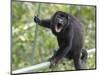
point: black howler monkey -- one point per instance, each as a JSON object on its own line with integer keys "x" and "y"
{"x": 69, "y": 33}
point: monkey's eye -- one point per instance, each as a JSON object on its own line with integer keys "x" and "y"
{"x": 58, "y": 16}
{"x": 62, "y": 15}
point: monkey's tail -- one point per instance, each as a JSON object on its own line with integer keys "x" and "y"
{"x": 84, "y": 56}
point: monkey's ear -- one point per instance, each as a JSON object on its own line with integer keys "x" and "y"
{"x": 68, "y": 20}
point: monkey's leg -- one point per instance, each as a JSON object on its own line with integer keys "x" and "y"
{"x": 77, "y": 62}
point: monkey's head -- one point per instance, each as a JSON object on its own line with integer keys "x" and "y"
{"x": 59, "y": 21}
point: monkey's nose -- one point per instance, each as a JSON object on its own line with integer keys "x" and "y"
{"x": 60, "y": 20}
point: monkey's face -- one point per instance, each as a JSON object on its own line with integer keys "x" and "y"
{"x": 59, "y": 22}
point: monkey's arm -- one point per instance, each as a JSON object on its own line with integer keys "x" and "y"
{"x": 64, "y": 49}
{"x": 44, "y": 23}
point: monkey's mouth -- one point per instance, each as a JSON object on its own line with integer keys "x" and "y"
{"x": 58, "y": 27}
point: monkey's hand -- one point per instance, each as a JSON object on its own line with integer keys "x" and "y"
{"x": 52, "y": 60}
{"x": 37, "y": 20}
{"x": 52, "y": 63}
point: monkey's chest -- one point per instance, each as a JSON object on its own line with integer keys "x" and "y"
{"x": 61, "y": 41}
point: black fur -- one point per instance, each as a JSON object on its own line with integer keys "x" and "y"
{"x": 70, "y": 36}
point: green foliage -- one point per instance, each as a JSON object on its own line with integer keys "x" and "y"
{"x": 26, "y": 50}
